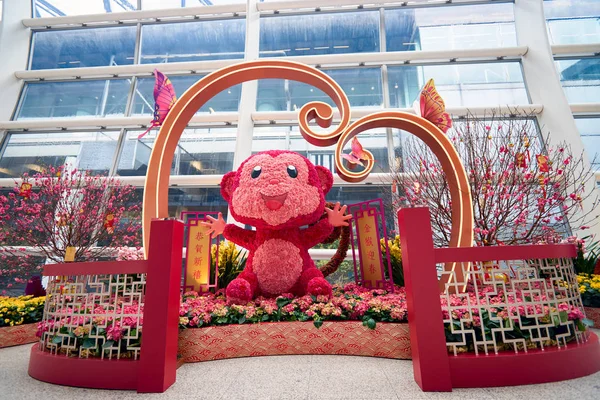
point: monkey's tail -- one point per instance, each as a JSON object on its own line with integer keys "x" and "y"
{"x": 343, "y": 233}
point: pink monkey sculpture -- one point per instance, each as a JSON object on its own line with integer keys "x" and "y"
{"x": 278, "y": 192}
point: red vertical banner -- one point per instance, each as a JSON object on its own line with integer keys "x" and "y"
{"x": 368, "y": 228}
{"x": 197, "y": 266}
{"x": 197, "y": 263}
{"x": 368, "y": 247}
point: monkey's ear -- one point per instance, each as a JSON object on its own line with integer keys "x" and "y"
{"x": 325, "y": 177}
{"x": 227, "y": 184}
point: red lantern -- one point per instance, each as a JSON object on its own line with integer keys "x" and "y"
{"x": 109, "y": 222}
{"x": 25, "y": 190}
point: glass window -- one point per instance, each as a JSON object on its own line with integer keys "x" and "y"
{"x": 489, "y": 84}
{"x": 573, "y": 21}
{"x": 159, "y": 4}
{"x": 589, "y": 129}
{"x": 83, "y": 48}
{"x": 32, "y": 152}
{"x": 193, "y": 41}
{"x": 301, "y": 35}
{"x": 362, "y": 86}
{"x": 60, "y": 8}
{"x": 143, "y": 101}
{"x": 455, "y": 27}
{"x": 196, "y": 199}
{"x": 93, "y": 98}
{"x": 201, "y": 151}
{"x": 289, "y": 138}
{"x": 580, "y": 79}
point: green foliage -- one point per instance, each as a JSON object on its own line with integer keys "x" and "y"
{"x": 231, "y": 262}
{"x": 395, "y": 259}
{"x": 585, "y": 263}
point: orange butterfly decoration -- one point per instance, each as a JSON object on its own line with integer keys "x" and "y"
{"x": 358, "y": 154}
{"x": 431, "y": 106}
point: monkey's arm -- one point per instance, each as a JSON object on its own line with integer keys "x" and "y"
{"x": 240, "y": 236}
{"x": 315, "y": 234}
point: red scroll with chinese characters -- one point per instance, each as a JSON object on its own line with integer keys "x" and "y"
{"x": 198, "y": 254}
{"x": 369, "y": 226}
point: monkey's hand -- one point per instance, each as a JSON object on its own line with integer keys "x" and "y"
{"x": 336, "y": 216}
{"x": 216, "y": 225}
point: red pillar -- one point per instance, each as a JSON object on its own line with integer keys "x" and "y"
{"x": 427, "y": 339}
{"x": 158, "y": 357}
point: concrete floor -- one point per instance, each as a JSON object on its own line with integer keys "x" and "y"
{"x": 285, "y": 377}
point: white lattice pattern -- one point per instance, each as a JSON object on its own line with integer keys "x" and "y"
{"x": 514, "y": 305}
{"x": 94, "y": 316}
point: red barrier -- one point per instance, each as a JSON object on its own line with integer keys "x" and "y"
{"x": 158, "y": 357}
{"x": 428, "y": 343}
{"x": 434, "y": 368}
{"x": 155, "y": 371}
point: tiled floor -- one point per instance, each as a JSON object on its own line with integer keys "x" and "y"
{"x": 285, "y": 377}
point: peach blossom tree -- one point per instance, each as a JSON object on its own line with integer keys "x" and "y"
{"x": 61, "y": 208}
{"x": 524, "y": 188}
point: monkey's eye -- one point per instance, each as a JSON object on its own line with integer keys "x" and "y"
{"x": 292, "y": 171}
{"x": 256, "y": 171}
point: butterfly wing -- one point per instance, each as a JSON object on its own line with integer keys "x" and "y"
{"x": 352, "y": 159}
{"x": 433, "y": 108}
{"x": 164, "y": 97}
{"x": 358, "y": 151}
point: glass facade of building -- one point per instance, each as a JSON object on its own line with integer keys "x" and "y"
{"x": 192, "y": 45}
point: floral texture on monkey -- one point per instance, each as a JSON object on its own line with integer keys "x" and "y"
{"x": 278, "y": 192}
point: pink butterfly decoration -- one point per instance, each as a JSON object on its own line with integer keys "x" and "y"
{"x": 358, "y": 154}
{"x": 164, "y": 98}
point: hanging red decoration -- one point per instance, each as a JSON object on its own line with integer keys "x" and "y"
{"x": 542, "y": 162}
{"x": 109, "y": 222}
{"x": 521, "y": 160}
{"x": 25, "y": 190}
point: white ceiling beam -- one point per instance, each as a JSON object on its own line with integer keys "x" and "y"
{"x": 324, "y": 61}
{"x": 581, "y": 50}
{"x": 280, "y": 116}
{"x": 274, "y": 7}
{"x": 585, "y": 108}
{"x": 228, "y": 118}
{"x": 136, "y": 16}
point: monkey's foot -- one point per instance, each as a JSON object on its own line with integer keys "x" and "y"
{"x": 239, "y": 291}
{"x": 318, "y": 286}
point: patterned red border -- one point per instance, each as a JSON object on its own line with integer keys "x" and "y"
{"x": 285, "y": 338}
{"x": 593, "y": 313}
{"x": 17, "y": 335}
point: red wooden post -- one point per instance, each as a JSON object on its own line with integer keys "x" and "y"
{"x": 427, "y": 340}
{"x": 158, "y": 357}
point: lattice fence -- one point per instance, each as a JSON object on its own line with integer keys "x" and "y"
{"x": 94, "y": 316}
{"x": 513, "y": 305}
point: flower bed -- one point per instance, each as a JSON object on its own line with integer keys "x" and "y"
{"x": 18, "y": 317}
{"x": 589, "y": 288}
{"x": 106, "y": 330}
{"x": 101, "y": 330}
{"x": 15, "y": 311}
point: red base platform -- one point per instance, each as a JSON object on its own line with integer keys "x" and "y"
{"x": 388, "y": 340}
{"x": 536, "y": 366}
{"x": 18, "y": 335}
{"x": 83, "y": 372}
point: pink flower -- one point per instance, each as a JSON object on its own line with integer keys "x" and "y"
{"x": 114, "y": 332}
